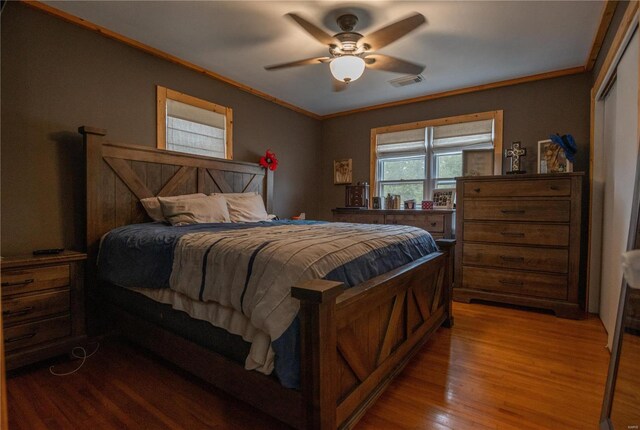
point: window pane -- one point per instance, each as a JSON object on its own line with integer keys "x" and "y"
{"x": 408, "y": 191}
{"x": 449, "y": 165}
{"x": 403, "y": 168}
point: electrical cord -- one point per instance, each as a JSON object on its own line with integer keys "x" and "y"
{"x": 82, "y": 355}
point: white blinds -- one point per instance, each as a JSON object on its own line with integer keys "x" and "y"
{"x": 195, "y": 130}
{"x": 405, "y": 142}
{"x": 475, "y": 133}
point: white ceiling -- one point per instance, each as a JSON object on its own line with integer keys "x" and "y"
{"x": 464, "y": 43}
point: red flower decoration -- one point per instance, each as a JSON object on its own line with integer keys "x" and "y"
{"x": 269, "y": 161}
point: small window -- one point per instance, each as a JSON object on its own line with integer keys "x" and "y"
{"x": 192, "y": 125}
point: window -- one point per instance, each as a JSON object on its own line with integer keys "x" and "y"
{"x": 189, "y": 124}
{"x": 414, "y": 159}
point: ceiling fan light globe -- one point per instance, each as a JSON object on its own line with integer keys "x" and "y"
{"x": 347, "y": 68}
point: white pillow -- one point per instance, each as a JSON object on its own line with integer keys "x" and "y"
{"x": 195, "y": 210}
{"x": 152, "y": 205}
{"x": 245, "y": 207}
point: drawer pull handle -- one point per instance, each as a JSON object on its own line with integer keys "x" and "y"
{"x": 21, "y": 312}
{"x": 512, "y": 211}
{"x": 508, "y": 282}
{"x": 554, "y": 187}
{"x": 511, "y": 234}
{"x": 477, "y": 190}
{"x": 15, "y": 284}
{"x": 19, "y": 338}
{"x": 433, "y": 224}
{"x": 510, "y": 258}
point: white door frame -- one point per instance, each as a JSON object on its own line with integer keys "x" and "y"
{"x": 596, "y": 172}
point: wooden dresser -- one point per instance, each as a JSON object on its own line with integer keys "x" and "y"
{"x": 437, "y": 222}
{"x": 42, "y": 306}
{"x": 519, "y": 241}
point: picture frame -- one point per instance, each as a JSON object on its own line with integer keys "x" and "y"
{"x": 477, "y": 162}
{"x": 552, "y": 159}
{"x": 443, "y": 198}
{"x": 342, "y": 171}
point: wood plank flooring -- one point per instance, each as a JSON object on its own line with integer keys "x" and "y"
{"x": 498, "y": 368}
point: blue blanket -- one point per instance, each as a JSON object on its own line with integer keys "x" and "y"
{"x": 142, "y": 255}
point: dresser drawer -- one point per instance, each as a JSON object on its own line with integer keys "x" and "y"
{"x": 517, "y": 233}
{"x": 518, "y": 188}
{"x": 431, "y": 223}
{"x": 35, "y": 306}
{"x": 34, "y": 279}
{"x": 359, "y": 218}
{"x": 23, "y": 335}
{"x": 518, "y": 283}
{"x": 518, "y": 210}
{"x": 516, "y": 257}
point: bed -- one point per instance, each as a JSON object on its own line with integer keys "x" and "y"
{"x": 352, "y": 342}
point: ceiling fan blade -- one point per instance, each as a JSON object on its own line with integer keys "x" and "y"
{"x": 339, "y": 86}
{"x": 392, "y": 64}
{"x": 316, "y": 60}
{"x": 319, "y": 34}
{"x": 381, "y": 38}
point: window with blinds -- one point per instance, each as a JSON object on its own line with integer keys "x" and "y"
{"x": 423, "y": 156}
{"x": 191, "y": 125}
{"x": 402, "y": 163}
{"x": 447, "y": 145}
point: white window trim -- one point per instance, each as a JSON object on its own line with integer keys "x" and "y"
{"x": 496, "y": 116}
{"x": 161, "y": 113}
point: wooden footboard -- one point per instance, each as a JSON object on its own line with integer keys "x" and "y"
{"x": 353, "y": 342}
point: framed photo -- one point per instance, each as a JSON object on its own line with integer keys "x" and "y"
{"x": 477, "y": 162}
{"x": 342, "y": 171}
{"x": 443, "y": 198}
{"x": 552, "y": 159}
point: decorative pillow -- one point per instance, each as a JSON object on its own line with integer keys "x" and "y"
{"x": 195, "y": 210}
{"x": 245, "y": 207}
{"x": 152, "y": 205}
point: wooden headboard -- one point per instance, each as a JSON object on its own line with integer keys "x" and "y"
{"x": 118, "y": 176}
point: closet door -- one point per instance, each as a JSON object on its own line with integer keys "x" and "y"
{"x": 620, "y": 156}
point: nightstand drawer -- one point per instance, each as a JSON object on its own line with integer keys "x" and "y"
{"x": 431, "y": 223}
{"x": 516, "y": 257}
{"x": 35, "y": 306}
{"x": 34, "y": 279}
{"x": 23, "y": 335}
{"x": 518, "y": 210}
{"x": 518, "y": 188}
{"x": 512, "y": 282}
{"x": 517, "y": 233}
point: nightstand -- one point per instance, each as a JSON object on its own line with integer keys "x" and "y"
{"x": 42, "y": 306}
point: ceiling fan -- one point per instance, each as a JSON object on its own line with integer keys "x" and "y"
{"x": 350, "y": 52}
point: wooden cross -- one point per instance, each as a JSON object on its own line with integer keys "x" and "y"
{"x": 515, "y": 152}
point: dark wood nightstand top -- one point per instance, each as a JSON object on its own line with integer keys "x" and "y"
{"x": 33, "y": 260}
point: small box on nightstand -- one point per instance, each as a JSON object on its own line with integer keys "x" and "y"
{"x": 357, "y": 196}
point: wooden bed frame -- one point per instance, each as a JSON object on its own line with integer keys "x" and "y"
{"x": 353, "y": 342}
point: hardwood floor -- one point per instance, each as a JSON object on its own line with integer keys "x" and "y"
{"x": 498, "y": 368}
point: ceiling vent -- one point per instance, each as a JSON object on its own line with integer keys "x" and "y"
{"x": 403, "y": 81}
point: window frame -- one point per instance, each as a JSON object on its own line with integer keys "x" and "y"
{"x": 163, "y": 94}
{"x": 430, "y": 182}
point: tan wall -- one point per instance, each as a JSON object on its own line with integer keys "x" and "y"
{"x": 56, "y": 77}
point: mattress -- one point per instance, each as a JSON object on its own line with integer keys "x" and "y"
{"x": 238, "y": 276}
